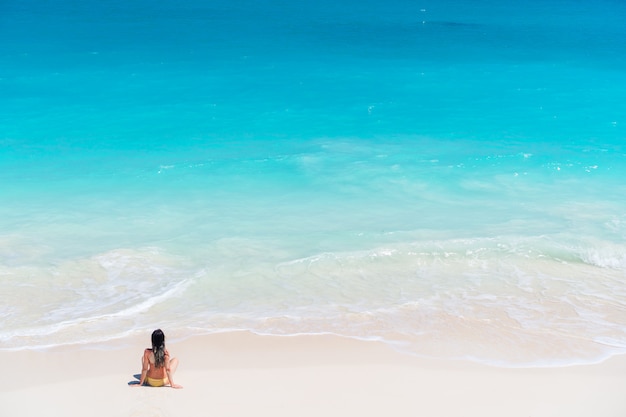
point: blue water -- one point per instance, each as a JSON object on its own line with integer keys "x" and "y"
{"x": 445, "y": 176}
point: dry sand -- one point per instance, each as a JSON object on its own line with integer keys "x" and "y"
{"x": 240, "y": 374}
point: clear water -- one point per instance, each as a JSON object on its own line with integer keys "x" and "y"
{"x": 445, "y": 176}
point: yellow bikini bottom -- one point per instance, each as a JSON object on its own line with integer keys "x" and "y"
{"x": 156, "y": 382}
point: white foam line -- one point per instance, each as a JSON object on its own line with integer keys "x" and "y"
{"x": 139, "y": 308}
{"x": 147, "y": 304}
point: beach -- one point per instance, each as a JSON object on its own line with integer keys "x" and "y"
{"x": 242, "y": 374}
{"x": 409, "y": 207}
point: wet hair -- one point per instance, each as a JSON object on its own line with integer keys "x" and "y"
{"x": 158, "y": 347}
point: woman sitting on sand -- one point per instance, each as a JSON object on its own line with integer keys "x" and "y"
{"x": 156, "y": 366}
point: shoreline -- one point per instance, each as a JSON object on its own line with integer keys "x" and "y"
{"x": 178, "y": 337}
{"x": 240, "y": 373}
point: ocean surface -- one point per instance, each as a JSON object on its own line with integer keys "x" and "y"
{"x": 446, "y": 176}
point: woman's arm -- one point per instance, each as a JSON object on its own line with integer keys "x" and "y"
{"x": 169, "y": 371}
{"x": 145, "y": 365}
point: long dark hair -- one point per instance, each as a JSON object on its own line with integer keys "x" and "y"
{"x": 158, "y": 347}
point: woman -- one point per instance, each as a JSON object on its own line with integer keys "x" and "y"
{"x": 156, "y": 366}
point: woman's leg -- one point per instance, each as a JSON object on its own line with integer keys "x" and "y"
{"x": 173, "y": 365}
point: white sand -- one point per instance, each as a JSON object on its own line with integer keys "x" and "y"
{"x": 240, "y": 374}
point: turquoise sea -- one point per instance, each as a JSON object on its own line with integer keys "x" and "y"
{"x": 446, "y": 176}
